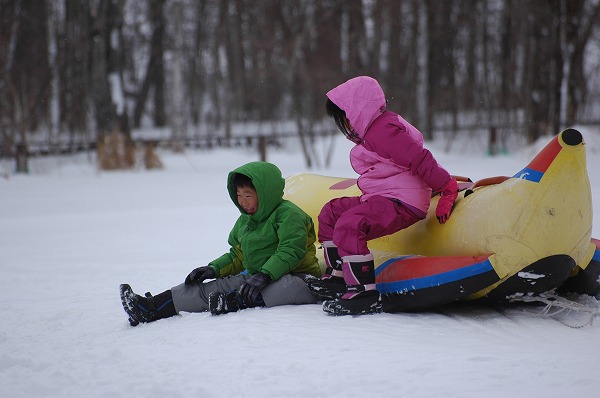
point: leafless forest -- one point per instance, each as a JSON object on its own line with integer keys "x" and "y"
{"x": 74, "y": 70}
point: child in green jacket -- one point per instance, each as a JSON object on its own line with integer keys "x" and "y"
{"x": 272, "y": 252}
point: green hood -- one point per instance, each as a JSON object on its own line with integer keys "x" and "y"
{"x": 268, "y": 182}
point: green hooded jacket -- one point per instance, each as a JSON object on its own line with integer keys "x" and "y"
{"x": 278, "y": 239}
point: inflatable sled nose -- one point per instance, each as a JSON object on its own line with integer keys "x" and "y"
{"x": 571, "y": 137}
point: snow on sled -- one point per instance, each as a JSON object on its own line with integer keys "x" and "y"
{"x": 508, "y": 236}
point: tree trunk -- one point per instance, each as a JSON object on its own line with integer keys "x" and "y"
{"x": 102, "y": 24}
{"x": 155, "y": 73}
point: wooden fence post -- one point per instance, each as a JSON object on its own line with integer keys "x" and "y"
{"x": 493, "y": 142}
{"x": 262, "y": 148}
{"x": 22, "y": 159}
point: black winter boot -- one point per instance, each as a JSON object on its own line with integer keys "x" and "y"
{"x": 361, "y": 296}
{"x": 331, "y": 285}
{"x": 146, "y": 309}
{"x": 222, "y": 303}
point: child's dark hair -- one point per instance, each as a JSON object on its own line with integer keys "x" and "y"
{"x": 339, "y": 116}
{"x": 241, "y": 181}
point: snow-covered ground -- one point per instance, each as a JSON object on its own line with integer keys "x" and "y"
{"x": 69, "y": 235}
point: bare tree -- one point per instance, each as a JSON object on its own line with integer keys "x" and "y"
{"x": 155, "y": 71}
{"x": 580, "y": 18}
{"x": 25, "y": 73}
{"x": 440, "y": 61}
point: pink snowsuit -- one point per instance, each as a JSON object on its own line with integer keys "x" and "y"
{"x": 397, "y": 174}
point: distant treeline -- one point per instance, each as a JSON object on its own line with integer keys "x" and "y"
{"x": 76, "y": 69}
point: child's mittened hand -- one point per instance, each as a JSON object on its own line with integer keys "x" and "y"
{"x": 444, "y": 206}
{"x": 252, "y": 287}
{"x": 200, "y": 274}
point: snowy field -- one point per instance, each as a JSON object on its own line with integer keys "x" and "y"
{"x": 69, "y": 235}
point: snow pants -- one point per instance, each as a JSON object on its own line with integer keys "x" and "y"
{"x": 350, "y": 224}
{"x": 289, "y": 289}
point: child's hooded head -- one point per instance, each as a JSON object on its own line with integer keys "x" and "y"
{"x": 361, "y": 100}
{"x": 256, "y": 188}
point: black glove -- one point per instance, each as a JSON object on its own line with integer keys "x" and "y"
{"x": 199, "y": 275}
{"x": 252, "y": 287}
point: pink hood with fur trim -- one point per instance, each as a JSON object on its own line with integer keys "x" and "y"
{"x": 391, "y": 159}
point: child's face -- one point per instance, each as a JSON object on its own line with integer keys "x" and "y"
{"x": 247, "y": 199}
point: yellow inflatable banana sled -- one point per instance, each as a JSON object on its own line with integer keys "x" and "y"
{"x": 508, "y": 236}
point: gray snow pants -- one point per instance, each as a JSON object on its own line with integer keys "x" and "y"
{"x": 289, "y": 289}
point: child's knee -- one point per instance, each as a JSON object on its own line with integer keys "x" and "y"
{"x": 289, "y": 289}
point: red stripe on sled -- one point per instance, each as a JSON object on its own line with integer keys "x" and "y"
{"x": 419, "y": 267}
{"x": 546, "y": 156}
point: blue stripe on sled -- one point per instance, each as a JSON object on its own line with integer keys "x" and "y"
{"x": 529, "y": 175}
{"x": 596, "y": 256}
{"x": 435, "y": 280}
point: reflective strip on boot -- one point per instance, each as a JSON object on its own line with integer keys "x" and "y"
{"x": 354, "y": 290}
{"x": 332, "y": 273}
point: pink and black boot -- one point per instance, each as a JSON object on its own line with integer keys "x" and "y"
{"x": 361, "y": 296}
{"x": 332, "y": 284}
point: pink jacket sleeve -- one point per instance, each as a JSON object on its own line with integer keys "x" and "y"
{"x": 395, "y": 143}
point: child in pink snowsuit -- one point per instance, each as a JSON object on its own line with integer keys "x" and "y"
{"x": 397, "y": 176}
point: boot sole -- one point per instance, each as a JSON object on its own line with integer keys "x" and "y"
{"x": 347, "y": 307}
{"x": 126, "y": 294}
